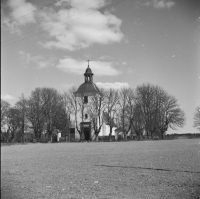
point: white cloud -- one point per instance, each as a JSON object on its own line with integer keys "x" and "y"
{"x": 105, "y": 57}
{"x": 99, "y": 68}
{"x": 80, "y": 4}
{"x": 124, "y": 63}
{"x": 38, "y": 61}
{"x": 18, "y": 8}
{"x": 163, "y": 4}
{"x": 81, "y": 29}
{"x": 73, "y": 24}
{"x": 8, "y": 97}
{"x": 115, "y": 85}
{"x": 160, "y": 4}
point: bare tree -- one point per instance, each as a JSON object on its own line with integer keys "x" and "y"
{"x": 22, "y": 106}
{"x": 160, "y": 110}
{"x": 82, "y": 107}
{"x": 138, "y": 123}
{"x": 197, "y": 118}
{"x": 126, "y": 107}
{"x": 35, "y": 112}
{"x": 52, "y": 106}
{"x": 145, "y": 96}
{"x": 77, "y": 105}
{"x": 95, "y": 109}
{"x": 14, "y": 123}
{"x": 170, "y": 115}
{"x": 69, "y": 107}
{"x": 62, "y": 119}
{"x": 111, "y": 108}
{"x": 5, "y": 106}
{"x": 47, "y": 109}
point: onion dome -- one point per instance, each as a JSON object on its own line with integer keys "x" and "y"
{"x": 88, "y": 71}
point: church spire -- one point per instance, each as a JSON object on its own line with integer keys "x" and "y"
{"x": 88, "y": 74}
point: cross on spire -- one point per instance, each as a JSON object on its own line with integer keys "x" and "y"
{"x": 88, "y": 63}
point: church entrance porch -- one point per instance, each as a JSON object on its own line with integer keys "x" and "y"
{"x": 86, "y": 130}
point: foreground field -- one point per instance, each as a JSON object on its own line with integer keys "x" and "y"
{"x": 146, "y": 169}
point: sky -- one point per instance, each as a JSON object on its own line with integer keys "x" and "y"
{"x": 128, "y": 42}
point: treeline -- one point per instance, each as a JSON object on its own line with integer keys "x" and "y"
{"x": 148, "y": 108}
{"x": 44, "y": 109}
{"x": 182, "y": 136}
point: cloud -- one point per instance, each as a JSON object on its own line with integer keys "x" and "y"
{"x": 71, "y": 28}
{"x": 67, "y": 86}
{"x": 160, "y": 4}
{"x": 8, "y": 97}
{"x": 105, "y": 57}
{"x": 99, "y": 68}
{"x": 38, "y": 61}
{"x": 130, "y": 70}
{"x": 116, "y": 85}
{"x": 18, "y": 8}
{"x": 79, "y": 4}
{"x": 70, "y": 24}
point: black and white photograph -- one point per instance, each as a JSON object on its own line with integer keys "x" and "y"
{"x": 100, "y": 99}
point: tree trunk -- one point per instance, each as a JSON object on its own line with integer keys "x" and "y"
{"x": 12, "y": 136}
{"x": 110, "y": 134}
{"x": 96, "y": 132}
{"x": 79, "y": 131}
{"x": 138, "y": 135}
{"x": 95, "y": 136}
{"x": 22, "y": 136}
{"x": 147, "y": 133}
{"x": 125, "y": 137}
{"x": 162, "y": 134}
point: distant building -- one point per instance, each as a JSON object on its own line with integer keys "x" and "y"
{"x": 105, "y": 129}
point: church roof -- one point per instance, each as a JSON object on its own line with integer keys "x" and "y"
{"x": 88, "y": 71}
{"x": 87, "y": 89}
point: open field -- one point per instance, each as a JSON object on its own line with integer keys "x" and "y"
{"x": 135, "y": 169}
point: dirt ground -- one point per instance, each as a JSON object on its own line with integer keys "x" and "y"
{"x": 130, "y": 170}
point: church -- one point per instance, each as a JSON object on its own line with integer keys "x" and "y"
{"x": 85, "y": 90}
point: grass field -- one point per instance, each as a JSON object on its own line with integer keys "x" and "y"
{"x": 134, "y": 169}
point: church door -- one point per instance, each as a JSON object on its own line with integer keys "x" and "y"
{"x": 54, "y": 138}
{"x": 87, "y": 134}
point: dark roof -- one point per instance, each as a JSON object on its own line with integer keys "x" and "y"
{"x": 88, "y": 71}
{"x": 87, "y": 89}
